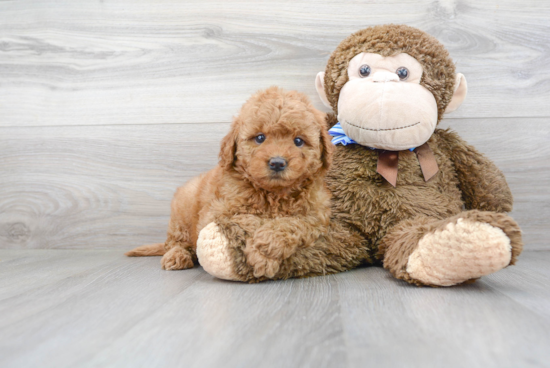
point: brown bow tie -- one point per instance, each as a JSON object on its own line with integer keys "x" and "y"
{"x": 388, "y": 160}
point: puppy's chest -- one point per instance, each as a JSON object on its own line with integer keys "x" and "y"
{"x": 273, "y": 209}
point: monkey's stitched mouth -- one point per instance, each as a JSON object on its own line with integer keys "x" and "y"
{"x": 381, "y": 130}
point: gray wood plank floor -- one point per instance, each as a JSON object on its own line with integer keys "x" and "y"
{"x": 94, "y": 308}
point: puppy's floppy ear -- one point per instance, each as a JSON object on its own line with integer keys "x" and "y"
{"x": 228, "y": 149}
{"x": 327, "y": 148}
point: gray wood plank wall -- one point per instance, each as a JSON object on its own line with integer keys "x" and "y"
{"x": 106, "y": 107}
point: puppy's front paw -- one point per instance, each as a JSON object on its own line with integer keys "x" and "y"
{"x": 274, "y": 243}
{"x": 268, "y": 249}
{"x": 176, "y": 259}
{"x": 263, "y": 264}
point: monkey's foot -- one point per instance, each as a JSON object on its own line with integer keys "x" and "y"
{"x": 461, "y": 251}
{"x": 177, "y": 258}
{"x": 213, "y": 253}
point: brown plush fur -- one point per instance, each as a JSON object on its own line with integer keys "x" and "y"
{"x": 286, "y": 210}
{"x": 373, "y": 222}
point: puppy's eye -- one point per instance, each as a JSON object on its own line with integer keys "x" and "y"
{"x": 402, "y": 73}
{"x": 299, "y": 142}
{"x": 260, "y": 138}
{"x": 364, "y": 71}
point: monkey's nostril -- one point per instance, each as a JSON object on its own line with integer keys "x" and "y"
{"x": 277, "y": 164}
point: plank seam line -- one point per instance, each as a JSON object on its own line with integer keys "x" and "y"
{"x": 229, "y": 122}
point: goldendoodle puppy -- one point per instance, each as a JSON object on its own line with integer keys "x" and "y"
{"x": 270, "y": 175}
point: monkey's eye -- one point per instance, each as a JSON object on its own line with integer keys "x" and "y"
{"x": 299, "y": 142}
{"x": 260, "y": 138}
{"x": 364, "y": 71}
{"x": 402, "y": 73}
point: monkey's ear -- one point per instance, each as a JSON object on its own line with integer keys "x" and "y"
{"x": 320, "y": 86}
{"x": 228, "y": 149}
{"x": 461, "y": 89}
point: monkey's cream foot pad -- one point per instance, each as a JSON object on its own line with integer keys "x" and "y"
{"x": 462, "y": 251}
{"x": 213, "y": 253}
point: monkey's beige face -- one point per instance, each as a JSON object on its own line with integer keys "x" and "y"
{"x": 383, "y": 105}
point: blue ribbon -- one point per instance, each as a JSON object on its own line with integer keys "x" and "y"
{"x": 340, "y": 136}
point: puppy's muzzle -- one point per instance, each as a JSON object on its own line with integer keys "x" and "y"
{"x": 277, "y": 164}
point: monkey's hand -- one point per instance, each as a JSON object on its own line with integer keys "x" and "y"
{"x": 218, "y": 240}
{"x": 214, "y": 253}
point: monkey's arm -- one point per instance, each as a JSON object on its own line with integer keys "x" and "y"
{"x": 222, "y": 245}
{"x": 483, "y": 185}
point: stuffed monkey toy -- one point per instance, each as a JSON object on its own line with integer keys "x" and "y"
{"x": 406, "y": 195}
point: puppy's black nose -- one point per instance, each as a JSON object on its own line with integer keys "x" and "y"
{"x": 277, "y": 164}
